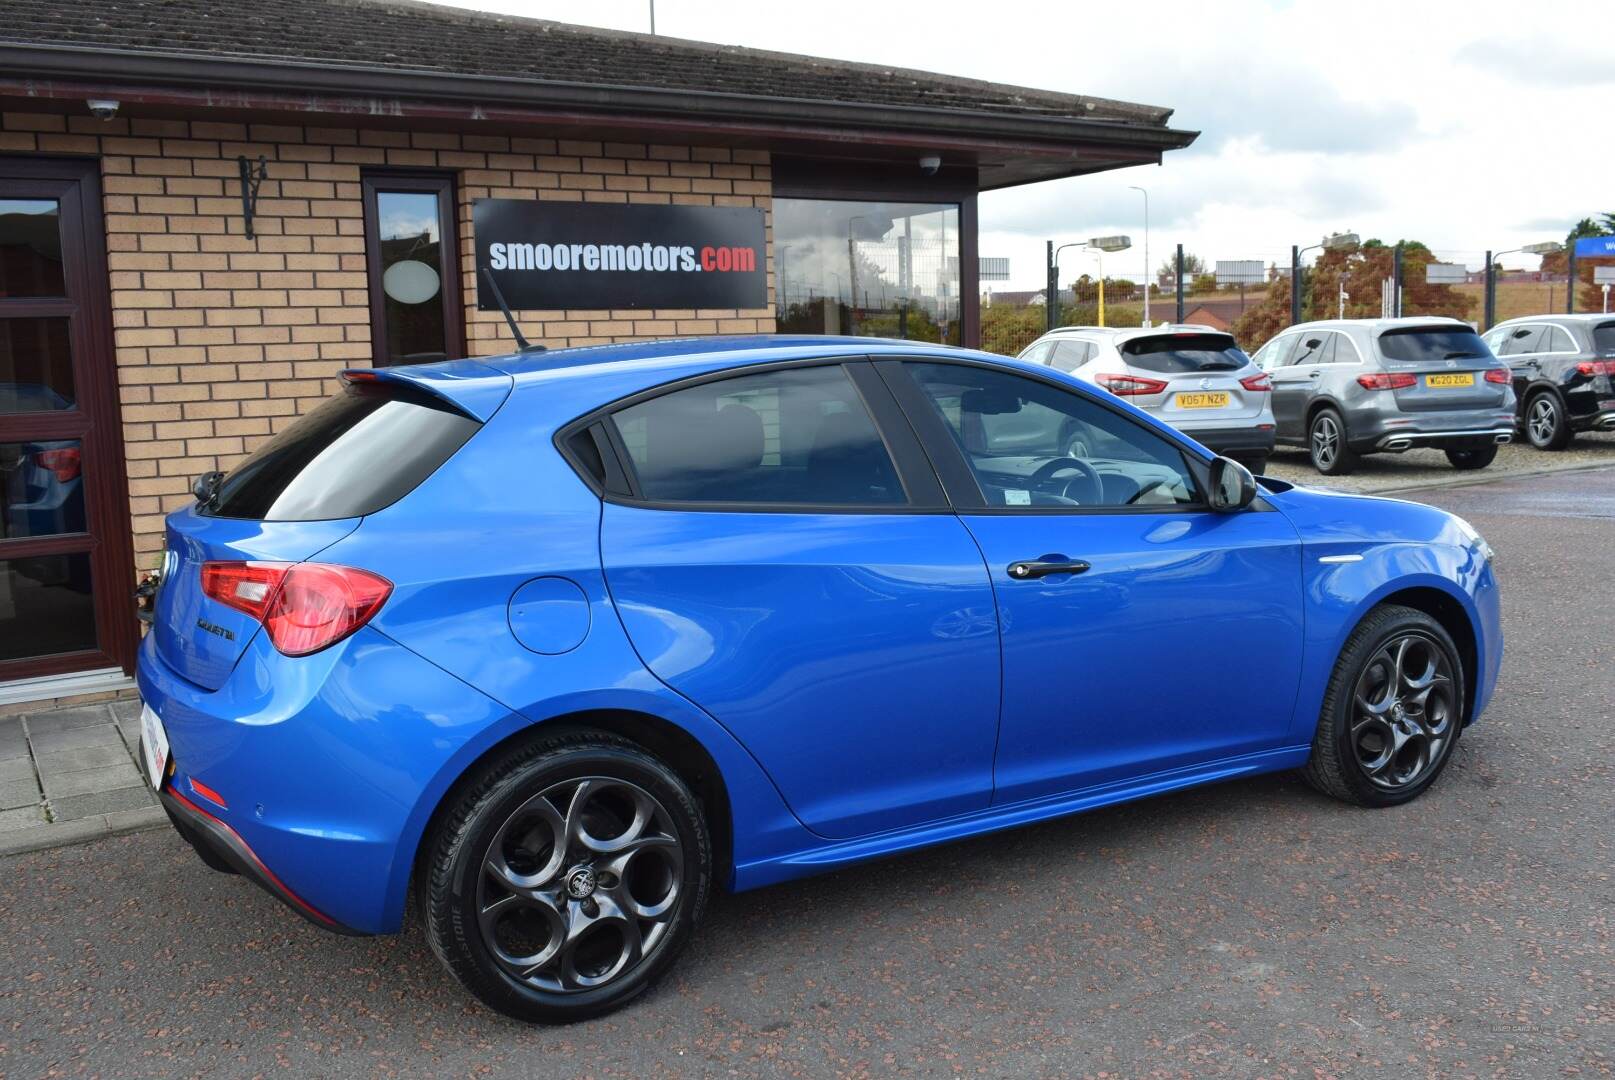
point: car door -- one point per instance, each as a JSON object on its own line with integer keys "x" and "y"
{"x": 1520, "y": 348}
{"x": 1141, "y": 631}
{"x": 1291, "y": 389}
{"x": 787, "y": 561}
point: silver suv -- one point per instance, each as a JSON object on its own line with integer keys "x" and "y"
{"x": 1347, "y": 387}
{"x": 1195, "y": 378}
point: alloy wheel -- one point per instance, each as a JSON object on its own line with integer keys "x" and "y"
{"x": 1325, "y": 441}
{"x": 580, "y": 884}
{"x": 1404, "y": 708}
{"x": 1543, "y": 419}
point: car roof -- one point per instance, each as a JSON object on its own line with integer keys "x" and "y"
{"x": 1376, "y": 326}
{"x": 1128, "y": 333}
{"x": 1560, "y": 317}
{"x": 583, "y": 378}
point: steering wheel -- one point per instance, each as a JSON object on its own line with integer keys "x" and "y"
{"x": 1090, "y": 478}
{"x": 1146, "y": 489}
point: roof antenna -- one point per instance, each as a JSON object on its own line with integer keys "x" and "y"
{"x": 522, "y": 344}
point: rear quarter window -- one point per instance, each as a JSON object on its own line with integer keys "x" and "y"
{"x": 357, "y": 453}
{"x": 1604, "y": 339}
{"x": 1177, "y": 353}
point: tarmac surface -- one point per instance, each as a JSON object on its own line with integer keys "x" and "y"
{"x": 1254, "y": 928}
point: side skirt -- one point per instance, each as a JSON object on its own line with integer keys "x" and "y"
{"x": 842, "y": 853}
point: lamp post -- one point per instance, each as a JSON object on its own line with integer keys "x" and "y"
{"x": 1546, "y": 247}
{"x": 1100, "y": 245}
{"x": 1147, "y": 270}
{"x": 1328, "y": 243}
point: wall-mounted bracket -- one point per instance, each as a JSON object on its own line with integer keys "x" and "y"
{"x": 251, "y": 176}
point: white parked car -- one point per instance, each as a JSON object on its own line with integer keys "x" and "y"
{"x": 1195, "y": 378}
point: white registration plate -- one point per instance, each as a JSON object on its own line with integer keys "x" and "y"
{"x": 153, "y": 746}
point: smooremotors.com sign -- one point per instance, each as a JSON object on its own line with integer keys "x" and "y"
{"x": 549, "y": 255}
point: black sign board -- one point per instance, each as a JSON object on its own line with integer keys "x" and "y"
{"x": 548, "y": 256}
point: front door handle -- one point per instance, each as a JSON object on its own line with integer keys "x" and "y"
{"x": 1027, "y": 569}
{"x": 1316, "y": 375}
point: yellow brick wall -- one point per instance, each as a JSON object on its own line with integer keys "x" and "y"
{"x": 221, "y": 341}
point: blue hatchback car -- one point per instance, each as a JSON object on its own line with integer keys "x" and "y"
{"x": 563, "y": 642}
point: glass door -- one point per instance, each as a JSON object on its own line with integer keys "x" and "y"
{"x": 65, "y": 567}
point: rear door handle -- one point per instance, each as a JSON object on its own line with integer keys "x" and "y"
{"x": 1315, "y": 375}
{"x": 1027, "y": 569}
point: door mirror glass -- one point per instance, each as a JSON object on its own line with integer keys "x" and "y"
{"x": 1232, "y": 486}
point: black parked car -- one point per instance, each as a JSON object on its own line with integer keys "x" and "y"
{"x": 1564, "y": 374}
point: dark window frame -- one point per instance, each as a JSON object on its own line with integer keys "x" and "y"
{"x": 374, "y": 182}
{"x": 914, "y": 471}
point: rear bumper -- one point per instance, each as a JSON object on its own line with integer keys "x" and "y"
{"x": 222, "y": 848}
{"x": 1407, "y": 440}
{"x": 1393, "y": 431}
{"x": 1249, "y": 440}
{"x": 326, "y": 768}
{"x": 1599, "y": 421}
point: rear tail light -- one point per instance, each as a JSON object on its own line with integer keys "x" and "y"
{"x": 1382, "y": 381}
{"x": 1131, "y": 385}
{"x": 1258, "y": 383}
{"x": 66, "y": 463}
{"x": 1596, "y": 367}
{"x": 305, "y": 606}
{"x": 1497, "y": 375}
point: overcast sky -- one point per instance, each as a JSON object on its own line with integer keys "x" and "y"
{"x": 1468, "y": 125}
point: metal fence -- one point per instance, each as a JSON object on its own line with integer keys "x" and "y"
{"x": 1251, "y": 294}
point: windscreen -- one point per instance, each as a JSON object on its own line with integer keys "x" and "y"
{"x": 1178, "y": 353}
{"x": 1424, "y": 344}
{"x": 1604, "y": 339}
{"x": 359, "y": 452}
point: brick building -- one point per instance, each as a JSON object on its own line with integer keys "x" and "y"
{"x": 146, "y": 337}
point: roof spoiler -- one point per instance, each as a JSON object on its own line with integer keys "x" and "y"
{"x": 468, "y": 386}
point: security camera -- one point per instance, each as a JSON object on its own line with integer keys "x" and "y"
{"x": 930, "y": 164}
{"x": 102, "y": 108}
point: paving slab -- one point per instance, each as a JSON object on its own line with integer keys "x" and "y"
{"x": 101, "y": 802}
{"x": 15, "y": 793}
{"x": 83, "y": 757}
{"x": 67, "y": 719}
{"x": 22, "y": 818}
{"x": 16, "y": 768}
{"x": 59, "y": 786}
{"x": 13, "y": 740}
{"x": 75, "y": 738}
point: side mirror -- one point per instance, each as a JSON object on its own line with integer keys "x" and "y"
{"x": 1232, "y": 486}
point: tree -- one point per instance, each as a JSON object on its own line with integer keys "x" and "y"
{"x": 1591, "y": 297}
{"x": 1361, "y": 272}
{"x": 1193, "y": 266}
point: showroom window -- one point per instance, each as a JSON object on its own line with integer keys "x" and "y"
{"x": 875, "y": 269}
{"x": 413, "y": 262}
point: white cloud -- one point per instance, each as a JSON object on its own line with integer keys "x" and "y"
{"x": 1440, "y": 121}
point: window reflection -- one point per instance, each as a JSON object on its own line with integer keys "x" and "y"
{"x": 46, "y": 606}
{"x": 36, "y": 365}
{"x": 875, "y": 269}
{"x": 41, "y": 488}
{"x": 31, "y": 248}
{"x": 409, "y": 224}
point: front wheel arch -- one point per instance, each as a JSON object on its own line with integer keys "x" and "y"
{"x": 1446, "y": 610}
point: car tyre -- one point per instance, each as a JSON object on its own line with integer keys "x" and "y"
{"x": 1392, "y": 712}
{"x": 1546, "y": 425}
{"x": 1465, "y": 458}
{"x": 1326, "y": 443}
{"x": 566, "y": 877}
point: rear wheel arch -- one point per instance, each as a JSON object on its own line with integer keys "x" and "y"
{"x": 663, "y": 739}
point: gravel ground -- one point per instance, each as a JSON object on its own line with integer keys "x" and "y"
{"x": 1380, "y": 472}
{"x": 1249, "y": 929}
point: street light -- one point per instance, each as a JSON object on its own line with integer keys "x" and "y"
{"x": 1545, "y": 247}
{"x": 1147, "y": 270}
{"x": 1099, "y": 244}
{"x": 1335, "y": 242}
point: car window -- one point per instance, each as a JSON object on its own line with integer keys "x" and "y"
{"x": 1274, "y": 353}
{"x": 1184, "y": 352}
{"x": 1034, "y": 446}
{"x": 1427, "y": 344}
{"x": 1559, "y": 341}
{"x": 1038, "y": 352}
{"x": 1522, "y": 339}
{"x": 1604, "y": 339}
{"x": 1070, "y": 355}
{"x": 795, "y": 436}
{"x": 1314, "y": 347}
{"x": 1494, "y": 341}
